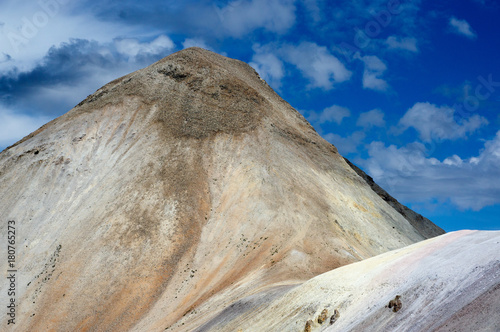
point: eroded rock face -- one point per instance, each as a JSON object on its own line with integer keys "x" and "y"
{"x": 175, "y": 191}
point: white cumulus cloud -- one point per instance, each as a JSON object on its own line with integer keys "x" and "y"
{"x": 317, "y": 64}
{"x": 241, "y": 17}
{"x": 268, "y": 65}
{"x": 412, "y": 176}
{"x": 438, "y": 122}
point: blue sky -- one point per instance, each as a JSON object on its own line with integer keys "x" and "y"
{"x": 407, "y": 90}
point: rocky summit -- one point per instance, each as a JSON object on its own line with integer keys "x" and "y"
{"x": 181, "y": 197}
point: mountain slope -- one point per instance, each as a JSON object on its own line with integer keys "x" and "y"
{"x": 187, "y": 181}
{"x": 423, "y": 225}
{"x": 448, "y": 283}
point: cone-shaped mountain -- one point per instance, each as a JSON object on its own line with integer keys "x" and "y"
{"x": 177, "y": 190}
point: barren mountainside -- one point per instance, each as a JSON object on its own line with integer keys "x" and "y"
{"x": 175, "y": 191}
{"x": 447, "y": 283}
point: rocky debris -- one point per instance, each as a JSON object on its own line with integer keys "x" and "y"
{"x": 395, "y": 304}
{"x": 448, "y": 283}
{"x": 334, "y": 317}
{"x": 323, "y": 316}
{"x": 309, "y": 325}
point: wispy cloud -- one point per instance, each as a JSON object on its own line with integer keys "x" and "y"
{"x": 5, "y": 57}
{"x": 462, "y": 27}
{"x": 348, "y": 144}
{"x": 373, "y": 72}
{"x": 132, "y": 47}
{"x": 313, "y": 9}
{"x": 406, "y": 43}
{"x": 334, "y": 113}
{"x": 195, "y": 42}
{"x": 373, "y": 118}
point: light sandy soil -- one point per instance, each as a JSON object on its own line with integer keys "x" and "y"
{"x": 448, "y": 283}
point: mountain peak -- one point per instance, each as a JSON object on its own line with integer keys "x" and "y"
{"x": 196, "y": 93}
{"x": 177, "y": 183}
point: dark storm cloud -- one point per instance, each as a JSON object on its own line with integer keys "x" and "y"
{"x": 73, "y": 62}
{"x": 61, "y": 65}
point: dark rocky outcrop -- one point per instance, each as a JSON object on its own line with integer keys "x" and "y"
{"x": 426, "y": 227}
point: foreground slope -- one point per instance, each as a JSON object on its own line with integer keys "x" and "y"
{"x": 188, "y": 181}
{"x": 448, "y": 283}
